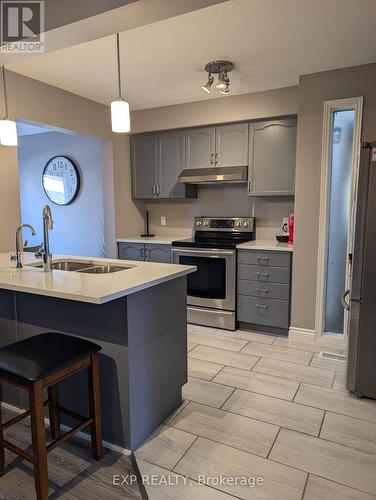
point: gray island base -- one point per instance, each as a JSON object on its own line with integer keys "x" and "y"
{"x": 143, "y": 362}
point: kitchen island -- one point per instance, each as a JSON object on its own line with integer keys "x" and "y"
{"x": 135, "y": 310}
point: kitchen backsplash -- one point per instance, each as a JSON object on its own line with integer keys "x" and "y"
{"x": 222, "y": 200}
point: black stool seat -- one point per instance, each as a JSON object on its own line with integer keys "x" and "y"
{"x": 37, "y": 357}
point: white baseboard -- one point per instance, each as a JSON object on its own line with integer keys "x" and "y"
{"x": 82, "y": 435}
{"x": 308, "y": 336}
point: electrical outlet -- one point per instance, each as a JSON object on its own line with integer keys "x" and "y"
{"x": 163, "y": 221}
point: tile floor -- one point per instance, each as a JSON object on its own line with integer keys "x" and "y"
{"x": 259, "y": 406}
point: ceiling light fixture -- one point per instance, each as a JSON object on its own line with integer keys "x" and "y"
{"x": 207, "y": 86}
{"x": 120, "y": 116}
{"x": 220, "y": 68}
{"x": 8, "y": 129}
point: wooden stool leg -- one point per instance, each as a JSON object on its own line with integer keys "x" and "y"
{"x": 39, "y": 440}
{"x": 2, "y": 451}
{"x": 95, "y": 407}
{"x": 54, "y": 414}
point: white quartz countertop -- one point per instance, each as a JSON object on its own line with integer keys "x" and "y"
{"x": 158, "y": 240}
{"x": 94, "y": 288}
{"x": 265, "y": 245}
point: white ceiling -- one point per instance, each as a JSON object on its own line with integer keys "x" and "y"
{"x": 271, "y": 42}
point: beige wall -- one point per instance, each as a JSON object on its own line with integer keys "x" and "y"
{"x": 313, "y": 91}
{"x": 10, "y": 215}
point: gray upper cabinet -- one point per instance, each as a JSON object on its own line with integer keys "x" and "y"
{"x": 272, "y": 152}
{"x": 157, "y": 160}
{"x": 144, "y": 158}
{"x": 231, "y": 145}
{"x": 200, "y": 147}
{"x": 171, "y": 161}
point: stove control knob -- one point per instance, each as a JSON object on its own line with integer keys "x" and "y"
{"x": 198, "y": 223}
{"x": 206, "y": 223}
{"x": 238, "y": 224}
{"x": 246, "y": 224}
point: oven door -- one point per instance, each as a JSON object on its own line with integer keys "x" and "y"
{"x": 213, "y": 284}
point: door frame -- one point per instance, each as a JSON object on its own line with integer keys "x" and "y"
{"x": 356, "y": 104}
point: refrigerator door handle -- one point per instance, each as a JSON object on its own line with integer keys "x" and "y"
{"x": 345, "y": 304}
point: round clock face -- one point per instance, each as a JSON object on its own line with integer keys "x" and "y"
{"x": 61, "y": 180}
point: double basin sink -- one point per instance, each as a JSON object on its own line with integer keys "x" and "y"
{"x": 84, "y": 266}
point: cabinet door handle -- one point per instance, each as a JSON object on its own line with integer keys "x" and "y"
{"x": 262, "y": 306}
{"x": 262, "y": 290}
{"x": 262, "y": 257}
{"x": 158, "y": 189}
{"x": 142, "y": 252}
{"x": 216, "y": 158}
{"x": 211, "y": 158}
{"x": 264, "y": 275}
{"x": 153, "y": 190}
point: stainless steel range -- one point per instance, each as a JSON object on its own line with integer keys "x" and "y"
{"x": 212, "y": 288}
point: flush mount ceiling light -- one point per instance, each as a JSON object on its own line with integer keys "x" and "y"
{"x": 8, "y": 129}
{"x": 220, "y": 68}
{"x": 120, "y": 116}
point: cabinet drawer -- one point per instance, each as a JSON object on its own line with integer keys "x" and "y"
{"x": 269, "y": 312}
{"x": 264, "y": 275}
{"x": 264, "y": 291}
{"x": 263, "y": 258}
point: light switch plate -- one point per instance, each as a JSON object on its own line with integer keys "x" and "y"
{"x": 163, "y": 221}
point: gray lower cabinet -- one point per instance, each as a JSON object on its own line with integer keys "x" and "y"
{"x": 264, "y": 288}
{"x": 145, "y": 252}
{"x": 157, "y": 160}
{"x": 131, "y": 251}
{"x": 158, "y": 253}
{"x": 272, "y": 152}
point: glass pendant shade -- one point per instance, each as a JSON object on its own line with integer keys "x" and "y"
{"x": 120, "y": 117}
{"x": 8, "y": 133}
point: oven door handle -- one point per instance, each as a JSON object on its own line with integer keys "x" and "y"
{"x": 204, "y": 252}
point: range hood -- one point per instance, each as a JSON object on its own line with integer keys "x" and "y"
{"x": 214, "y": 175}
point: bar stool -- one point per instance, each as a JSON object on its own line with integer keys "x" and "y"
{"x": 39, "y": 363}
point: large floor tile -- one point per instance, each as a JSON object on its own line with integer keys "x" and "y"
{"x": 350, "y": 432}
{"x": 333, "y": 461}
{"x": 165, "y": 447}
{"x": 275, "y": 411}
{"x": 190, "y": 346}
{"x": 337, "y": 402}
{"x": 175, "y": 412}
{"x": 339, "y": 383}
{"x": 281, "y": 353}
{"x": 224, "y": 357}
{"x": 323, "y": 489}
{"x": 216, "y": 339}
{"x": 209, "y": 393}
{"x": 310, "y": 346}
{"x": 294, "y": 371}
{"x": 235, "y": 430}
{"x": 202, "y": 369}
{"x": 257, "y": 382}
{"x": 329, "y": 364}
{"x": 210, "y": 460}
{"x": 162, "y": 484}
{"x": 262, "y": 338}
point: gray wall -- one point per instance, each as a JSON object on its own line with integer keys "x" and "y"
{"x": 79, "y": 227}
{"x": 313, "y": 91}
{"x": 9, "y": 197}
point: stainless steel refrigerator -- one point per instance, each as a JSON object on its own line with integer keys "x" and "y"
{"x": 361, "y": 371}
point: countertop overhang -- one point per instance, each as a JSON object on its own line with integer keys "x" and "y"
{"x": 96, "y": 289}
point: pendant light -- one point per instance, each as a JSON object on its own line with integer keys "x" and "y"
{"x": 8, "y": 129}
{"x": 120, "y": 118}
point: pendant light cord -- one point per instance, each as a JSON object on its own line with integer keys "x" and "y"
{"x": 118, "y": 63}
{"x": 4, "y": 92}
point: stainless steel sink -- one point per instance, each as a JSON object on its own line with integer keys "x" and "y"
{"x": 68, "y": 265}
{"x": 84, "y": 266}
{"x": 104, "y": 269}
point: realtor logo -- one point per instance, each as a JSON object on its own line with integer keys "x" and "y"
{"x": 22, "y": 26}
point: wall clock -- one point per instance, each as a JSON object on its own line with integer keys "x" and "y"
{"x": 61, "y": 180}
